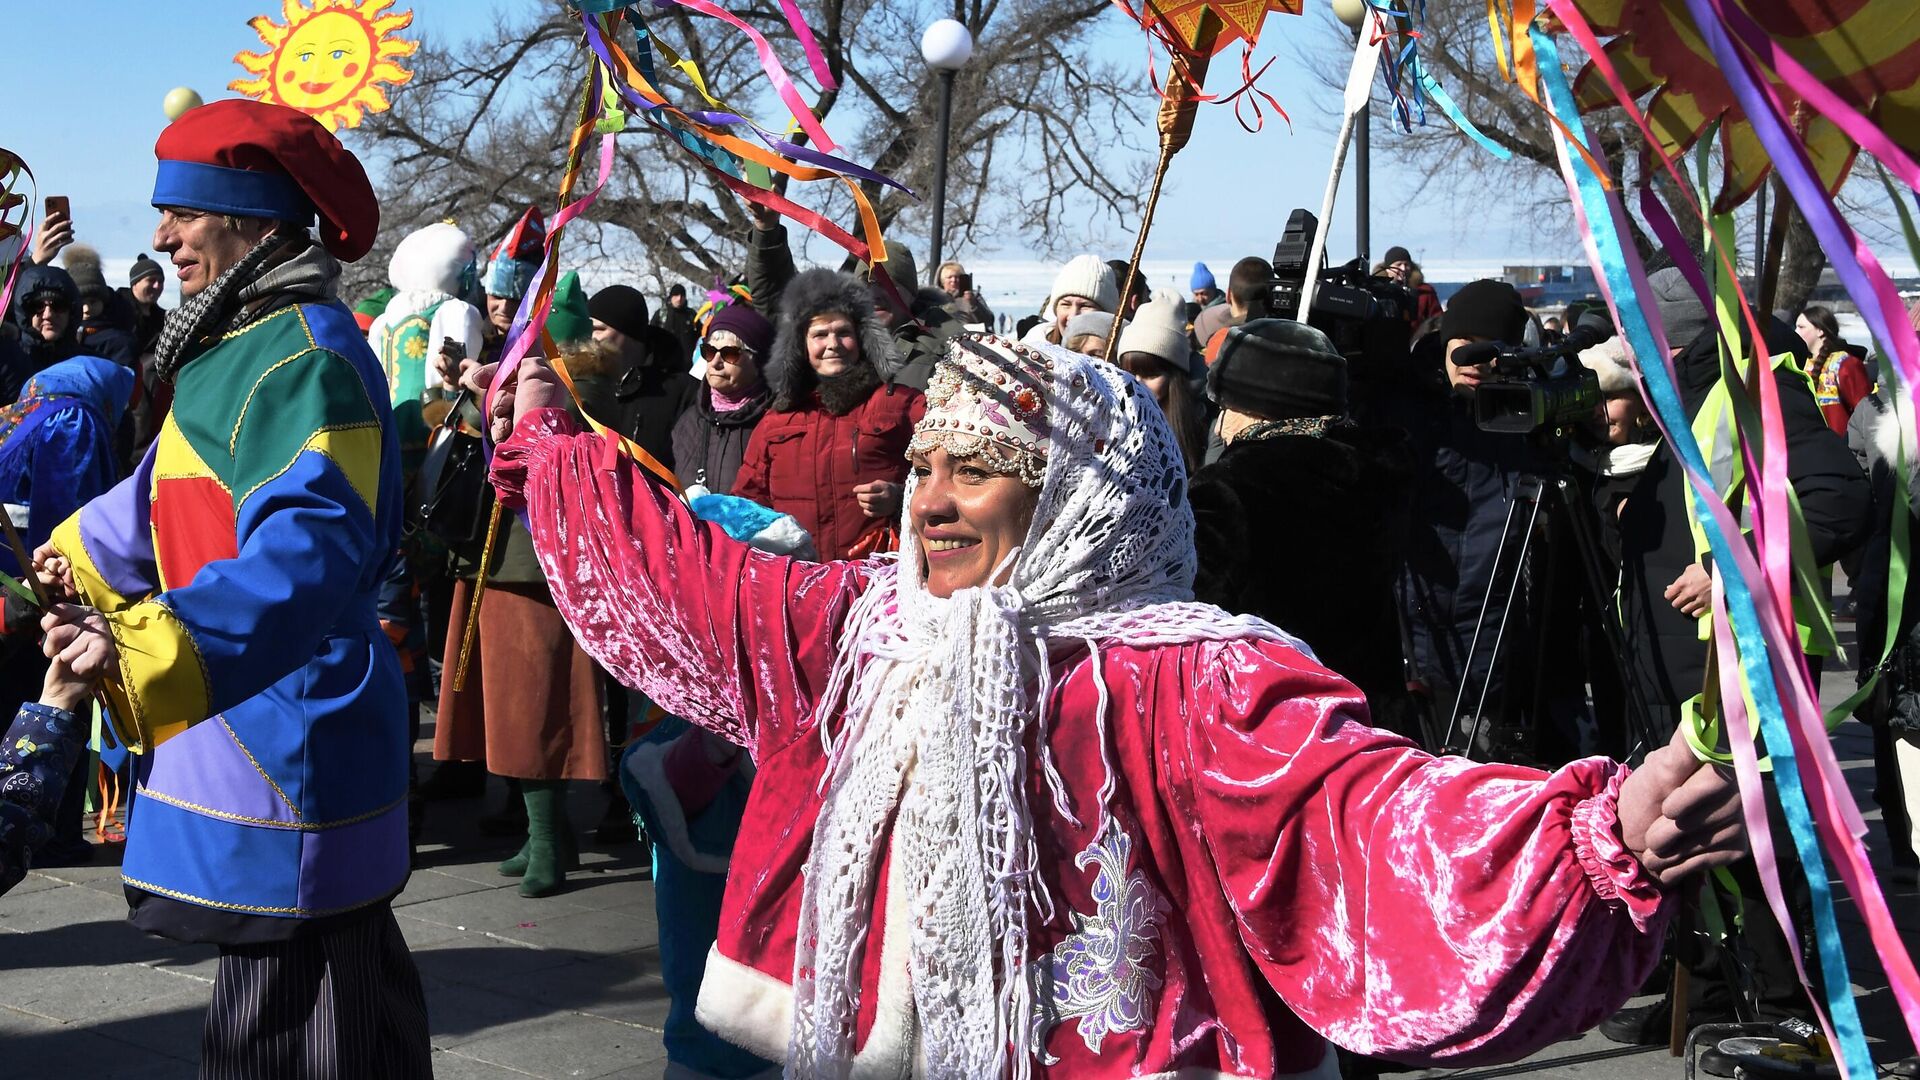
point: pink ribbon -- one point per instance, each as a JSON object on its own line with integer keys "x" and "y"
{"x": 803, "y": 33}
{"x": 537, "y": 317}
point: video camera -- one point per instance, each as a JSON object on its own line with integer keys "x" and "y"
{"x": 1363, "y": 315}
{"x": 1545, "y": 387}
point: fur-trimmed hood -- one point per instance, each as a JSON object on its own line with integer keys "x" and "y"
{"x": 1889, "y": 424}
{"x": 817, "y": 292}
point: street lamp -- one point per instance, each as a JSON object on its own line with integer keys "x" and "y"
{"x": 947, "y": 46}
{"x": 1356, "y": 15}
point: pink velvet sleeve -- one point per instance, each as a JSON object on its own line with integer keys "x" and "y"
{"x": 1426, "y": 909}
{"x": 732, "y": 639}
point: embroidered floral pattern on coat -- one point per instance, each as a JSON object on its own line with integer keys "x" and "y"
{"x": 1101, "y": 974}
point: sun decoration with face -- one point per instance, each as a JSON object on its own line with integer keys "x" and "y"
{"x": 327, "y": 60}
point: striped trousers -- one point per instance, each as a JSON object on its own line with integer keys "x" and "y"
{"x": 339, "y": 1005}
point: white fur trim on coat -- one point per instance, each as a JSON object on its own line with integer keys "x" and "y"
{"x": 754, "y": 1010}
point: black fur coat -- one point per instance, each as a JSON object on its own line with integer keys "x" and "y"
{"x": 1309, "y": 534}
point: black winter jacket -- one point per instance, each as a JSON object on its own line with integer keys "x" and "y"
{"x": 651, "y": 401}
{"x": 1465, "y": 481}
{"x": 1656, "y": 540}
{"x": 708, "y": 446}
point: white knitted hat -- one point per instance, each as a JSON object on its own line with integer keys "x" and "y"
{"x": 1608, "y": 360}
{"x": 1088, "y": 276}
{"x": 1159, "y": 328}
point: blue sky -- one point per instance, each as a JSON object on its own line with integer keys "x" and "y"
{"x": 86, "y": 109}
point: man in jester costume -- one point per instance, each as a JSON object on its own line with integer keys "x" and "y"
{"x": 234, "y": 577}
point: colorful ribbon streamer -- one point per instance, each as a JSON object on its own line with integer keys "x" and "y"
{"x": 11, "y": 169}
{"x": 1799, "y": 731}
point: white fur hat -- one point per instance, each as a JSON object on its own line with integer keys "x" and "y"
{"x": 1159, "y": 328}
{"x": 1608, "y": 360}
{"x": 1088, "y": 276}
{"x": 432, "y": 259}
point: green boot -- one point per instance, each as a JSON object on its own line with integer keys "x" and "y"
{"x": 516, "y": 864}
{"x": 546, "y": 837}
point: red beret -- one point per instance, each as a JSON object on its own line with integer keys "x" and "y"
{"x": 252, "y": 159}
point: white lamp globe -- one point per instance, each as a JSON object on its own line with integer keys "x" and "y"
{"x": 1351, "y": 12}
{"x": 947, "y": 45}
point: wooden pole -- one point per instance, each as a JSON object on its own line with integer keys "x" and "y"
{"x": 1783, "y": 212}
{"x": 1366, "y": 60}
{"x": 1179, "y": 103}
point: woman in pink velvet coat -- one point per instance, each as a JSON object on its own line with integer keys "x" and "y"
{"x": 1022, "y": 807}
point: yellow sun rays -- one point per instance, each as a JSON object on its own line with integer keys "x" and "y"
{"x": 328, "y": 61}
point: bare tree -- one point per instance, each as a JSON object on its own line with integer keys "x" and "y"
{"x": 1038, "y": 126}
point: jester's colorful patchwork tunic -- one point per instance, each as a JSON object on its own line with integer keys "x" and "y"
{"x": 238, "y": 568}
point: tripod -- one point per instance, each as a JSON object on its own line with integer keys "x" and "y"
{"x": 1555, "y": 483}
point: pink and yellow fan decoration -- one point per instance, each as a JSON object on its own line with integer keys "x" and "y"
{"x": 1867, "y": 52}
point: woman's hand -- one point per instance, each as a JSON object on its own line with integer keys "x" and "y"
{"x": 1680, "y": 815}
{"x": 879, "y": 499}
{"x": 765, "y": 218}
{"x": 56, "y": 232}
{"x": 532, "y": 386}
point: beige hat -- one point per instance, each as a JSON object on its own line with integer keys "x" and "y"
{"x": 1608, "y": 360}
{"x": 1159, "y": 328}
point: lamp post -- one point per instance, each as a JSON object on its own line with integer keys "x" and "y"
{"x": 947, "y": 45}
{"x": 1356, "y": 15}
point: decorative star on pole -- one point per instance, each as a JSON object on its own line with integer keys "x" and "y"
{"x": 1233, "y": 20}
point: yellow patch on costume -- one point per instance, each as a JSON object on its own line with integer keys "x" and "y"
{"x": 175, "y": 458}
{"x": 162, "y": 689}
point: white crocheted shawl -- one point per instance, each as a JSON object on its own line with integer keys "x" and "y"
{"x": 935, "y": 714}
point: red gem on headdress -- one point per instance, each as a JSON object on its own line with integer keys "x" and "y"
{"x": 1026, "y": 402}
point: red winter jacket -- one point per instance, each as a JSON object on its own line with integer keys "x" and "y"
{"x": 807, "y": 463}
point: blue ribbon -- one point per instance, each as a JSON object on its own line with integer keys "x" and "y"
{"x": 1451, "y": 111}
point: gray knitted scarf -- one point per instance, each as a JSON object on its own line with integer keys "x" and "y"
{"x": 223, "y": 305}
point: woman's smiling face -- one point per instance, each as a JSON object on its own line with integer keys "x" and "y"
{"x": 968, "y": 516}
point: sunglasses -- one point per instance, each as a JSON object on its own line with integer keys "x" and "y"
{"x": 49, "y": 304}
{"x": 732, "y": 354}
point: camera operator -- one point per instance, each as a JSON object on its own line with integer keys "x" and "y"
{"x": 1302, "y": 520}
{"x": 1465, "y": 482}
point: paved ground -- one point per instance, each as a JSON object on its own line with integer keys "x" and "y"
{"x": 562, "y": 987}
{"x": 567, "y": 986}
